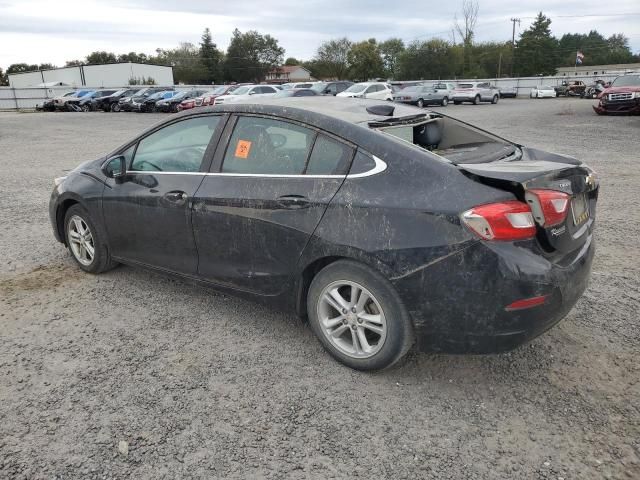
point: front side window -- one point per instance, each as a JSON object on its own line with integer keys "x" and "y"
{"x": 178, "y": 147}
{"x": 267, "y": 146}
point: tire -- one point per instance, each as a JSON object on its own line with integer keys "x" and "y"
{"x": 476, "y": 100}
{"x": 445, "y": 101}
{"x": 86, "y": 108}
{"x": 420, "y": 103}
{"x": 115, "y": 107}
{"x": 77, "y": 222}
{"x": 390, "y": 335}
{"x": 495, "y": 99}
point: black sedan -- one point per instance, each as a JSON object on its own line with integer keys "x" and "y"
{"x": 383, "y": 224}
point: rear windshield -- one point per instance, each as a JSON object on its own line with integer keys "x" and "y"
{"x": 358, "y": 87}
{"x": 465, "y": 85}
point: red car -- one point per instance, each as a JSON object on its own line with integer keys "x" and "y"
{"x": 207, "y": 98}
{"x": 622, "y": 97}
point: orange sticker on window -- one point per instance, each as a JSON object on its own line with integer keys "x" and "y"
{"x": 243, "y": 148}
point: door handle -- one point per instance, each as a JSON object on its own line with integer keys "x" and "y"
{"x": 175, "y": 196}
{"x": 293, "y": 201}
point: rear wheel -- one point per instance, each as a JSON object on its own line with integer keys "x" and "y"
{"x": 476, "y": 100}
{"x": 358, "y": 316}
{"x": 495, "y": 99}
{"x": 444, "y": 102}
{"x": 85, "y": 243}
{"x": 115, "y": 107}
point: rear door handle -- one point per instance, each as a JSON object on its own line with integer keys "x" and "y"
{"x": 175, "y": 196}
{"x": 293, "y": 201}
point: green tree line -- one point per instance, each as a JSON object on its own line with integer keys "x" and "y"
{"x": 252, "y": 55}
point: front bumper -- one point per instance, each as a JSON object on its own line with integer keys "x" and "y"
{"x": 624, "y": 107}
{"x": 458, "y": 304}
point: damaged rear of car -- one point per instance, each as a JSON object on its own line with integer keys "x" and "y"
{"x": 533, "y": 242}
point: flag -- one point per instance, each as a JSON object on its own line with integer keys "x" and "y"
{"x": 579, "y": 57}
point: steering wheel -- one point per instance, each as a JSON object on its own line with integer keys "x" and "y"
{"x": 153, "y": 165}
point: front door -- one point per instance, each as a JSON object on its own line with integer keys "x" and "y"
{"x": 147, "y": 214}
{"x": 253, "y": 217}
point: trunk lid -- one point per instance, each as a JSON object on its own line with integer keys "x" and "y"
{"x": 546, "y": 171}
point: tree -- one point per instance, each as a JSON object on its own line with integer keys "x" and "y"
{"x": 251, "y": 56}
{"x": 97, "y": 58}
{"x": 73, "y": 63}
{"x": 4, "y": 81}
{"x": 332, "y": 58}
{"x": 133, "y": 57}
{"x": 21, "y": 67}
{"x": 390, "y": 51}
{"x": 210, "y": 56}
{"x": 466, "y": 30}
{"x": 185, "y": 60}
{"x": 536, "y": 51}
{"x": 430, "y": 60}
{"x": 291, "y": 61}
{"x": 365, "y": 61}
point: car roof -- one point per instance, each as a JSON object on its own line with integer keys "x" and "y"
{"x": 338, "y": 108}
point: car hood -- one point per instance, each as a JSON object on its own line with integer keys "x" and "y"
{"x": 629, "y": 89}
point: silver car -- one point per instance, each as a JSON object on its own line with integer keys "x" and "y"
{"x": 421, "y": 95}
{"x": 475, "y": 92}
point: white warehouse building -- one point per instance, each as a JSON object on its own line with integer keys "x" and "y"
{"x": 103, "y": 76}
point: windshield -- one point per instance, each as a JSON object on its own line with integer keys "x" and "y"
{"x": 240, "y": 91}
{"x": 180, "y": 95}
{"x": 319, "y": 87}
{"x": 358, "y": 87}
{"x": 627, "y": 81}
{"x": 216, "y": 91}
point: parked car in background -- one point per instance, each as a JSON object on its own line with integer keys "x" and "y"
{"x": 331, "y": 88}
{"x": 245, "y": 93}
{"x": 573, "y": 88}
{"x": 110, "y": 102}
{"x": 290, "y": 85}
{"x": 508, "y": 92}
{"x": 85, "y": 103}
{"x": 51, "y": 104}
{"x": 594, "y": 90}
{"x": 475, "y": 92}
{"x": 374, "y": 90}
{"x": 171, "y": 104}
{"x": 60, "y": 103}
{"x": 296, "y": 92}
{"x": 543, "y": 91}
{"x": 381, "y": 224}
{"x": 126, "y": 103}
{"x": 421, "y": 95}
{"x": 622, "y": 97}
{"x": 149, "y": 104}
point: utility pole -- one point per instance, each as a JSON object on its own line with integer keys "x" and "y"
{"x": 513, "y": 43}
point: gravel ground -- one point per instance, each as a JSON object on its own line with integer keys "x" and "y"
{"x": 134, "y": 375}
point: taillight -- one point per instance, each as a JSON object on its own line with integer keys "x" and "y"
{"x": 549, "y": 207}
{"x": 510, "y": 220}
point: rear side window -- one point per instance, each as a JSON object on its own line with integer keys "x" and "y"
{"x": 329, "y": 157}
{"x": 267, "y": 146}
{"x": 362, "y": 163}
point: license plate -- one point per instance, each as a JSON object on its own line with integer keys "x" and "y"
{"x": 580, "y": 209}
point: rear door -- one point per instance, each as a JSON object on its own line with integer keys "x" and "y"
{"x": 148, "y": 213}
{"x": 269, "y": 187}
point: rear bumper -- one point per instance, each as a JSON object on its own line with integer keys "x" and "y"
{"x": 620, "y": 108}
{"x": 458, "y": 304}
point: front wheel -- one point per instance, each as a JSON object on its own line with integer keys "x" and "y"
{"x": 444, "y": 102}
{"x": 420, "y": 103}
{"x": 115, "y": 107}
{"x": 85, "y": 243}
{"x": 86, "y": 107}
{"x": 495, "y": 99}
{"x": 358, "y": 316}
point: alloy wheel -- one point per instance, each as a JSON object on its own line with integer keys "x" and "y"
{"x": 80, "y": 240}
{"x": 352, "y": 319}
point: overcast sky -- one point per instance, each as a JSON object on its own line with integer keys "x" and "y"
{"x": 54, "y": 31}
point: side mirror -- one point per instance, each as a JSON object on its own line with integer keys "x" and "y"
{"x": 252, "y": 93}
{"x": 116, "y": 168}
